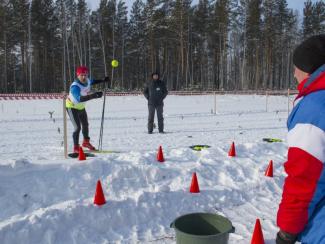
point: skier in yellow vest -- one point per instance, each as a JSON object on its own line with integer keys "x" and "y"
{"x": 75, "y": 104}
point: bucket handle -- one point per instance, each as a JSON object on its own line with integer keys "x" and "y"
{"x": 172, "y": 224}
{"x": 233, "y": 229}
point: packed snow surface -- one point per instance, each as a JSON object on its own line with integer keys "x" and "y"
{"x": 45, "y": 198}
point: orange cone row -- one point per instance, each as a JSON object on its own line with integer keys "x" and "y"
{"x": 257, "y": 237}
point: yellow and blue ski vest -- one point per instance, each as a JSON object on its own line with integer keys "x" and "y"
{"x": 77, "y": 89}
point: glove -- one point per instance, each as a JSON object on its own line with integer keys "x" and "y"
{"x": 91, "y": 96}
{"x": 97, "y": 94}
{"x": 283, "y": 237}
{"x": 106, "y": 79}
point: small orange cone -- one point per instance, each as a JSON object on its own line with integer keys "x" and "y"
{"x": 269, "y": 170}
{"x": 232, "y": 150}
{"x": 82, "y": 155}
{"x": 257, "y": 237}
{"x": 99, "y": 198}
{"x": 194, "y": 184}
{"x": 160, "y": 155}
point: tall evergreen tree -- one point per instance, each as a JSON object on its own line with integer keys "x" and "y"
{"x": 202, "y": 15}
{"x": 136, "y": 46}
{"x": 308, "y": 28}
{"x": 44, "y": 38}
{"x": 122, "y": 38}
{"x": 4, "y": 46}
{"x": 220, "y": 28}
{"x": 179, "y": 27}
{"x": 253, "y": 40}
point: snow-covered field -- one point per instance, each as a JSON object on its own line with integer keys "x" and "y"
{"x": 45, "y": 198}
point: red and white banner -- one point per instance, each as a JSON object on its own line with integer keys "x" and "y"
{"x": 30, "y": 96}
{"x": 34, "y": 96}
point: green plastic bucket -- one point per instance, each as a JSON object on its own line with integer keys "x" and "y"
{"x": 202, "y": 228}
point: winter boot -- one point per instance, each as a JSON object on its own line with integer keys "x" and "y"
{"x": 87, "y": 144}
{"x": 76, "y": 148}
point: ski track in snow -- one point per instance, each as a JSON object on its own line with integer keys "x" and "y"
{"x": 45, "y": 198}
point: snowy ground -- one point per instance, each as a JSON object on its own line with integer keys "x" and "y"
{"x": 45, "y": 198}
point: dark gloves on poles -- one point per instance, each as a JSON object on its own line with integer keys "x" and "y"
{"x": 91, "y": 96}
{"x": 107, "y": 80}
{"x": 97, "y": 94}
{"x": 283, "y": 237}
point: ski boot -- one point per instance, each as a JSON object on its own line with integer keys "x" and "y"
{"x": 87, "y": 144}
{"x": 76, "y": 148}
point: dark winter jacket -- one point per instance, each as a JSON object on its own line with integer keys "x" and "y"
{"x": 155, "y": 92}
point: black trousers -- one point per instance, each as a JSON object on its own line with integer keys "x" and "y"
{"x": 151, "y": 117}
{"x": 79, "y": 120}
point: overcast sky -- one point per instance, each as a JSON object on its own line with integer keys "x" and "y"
{"x": 295, "y": 4}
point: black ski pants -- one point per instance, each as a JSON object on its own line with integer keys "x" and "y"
{"x": 79, "y": 120}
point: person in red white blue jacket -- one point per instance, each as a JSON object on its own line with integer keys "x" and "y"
{"x": 301, "y": 213}
{"x": 80, "y": 92}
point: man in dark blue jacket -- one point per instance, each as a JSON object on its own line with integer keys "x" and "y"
{"x": 155, "y": 92}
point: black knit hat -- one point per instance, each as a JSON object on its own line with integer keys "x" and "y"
{"x": 310, "y": 54}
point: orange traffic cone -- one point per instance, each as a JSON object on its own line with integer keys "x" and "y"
{"x": 82, "y": 155}
{"x": 160, "y": 155}
{"x": 257, "y": 237}
{"x": 269, "y": 170}
{"x": 232, "y": 150}
{"x": 194, "y": 184}
{"x": 99, "y": 198}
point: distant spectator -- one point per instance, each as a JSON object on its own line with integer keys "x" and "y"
{"x": 155, "y": 92}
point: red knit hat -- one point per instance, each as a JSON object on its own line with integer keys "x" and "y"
{"x": 82, "y": 70}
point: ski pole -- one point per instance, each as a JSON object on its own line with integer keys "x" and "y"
{"x": 100, "y": 143}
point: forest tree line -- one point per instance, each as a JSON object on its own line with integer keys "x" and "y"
{"x": 211, "y": 45}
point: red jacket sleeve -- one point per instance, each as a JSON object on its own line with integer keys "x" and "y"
{"x": 303, "y": 171}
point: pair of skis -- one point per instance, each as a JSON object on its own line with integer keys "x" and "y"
{"x": 91, "y": 153}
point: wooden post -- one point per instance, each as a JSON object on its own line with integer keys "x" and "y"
{"x": 266, "y": 102}
{"x": 215, "y": 103}
{"x": 288, "y": 100}
{"x": 65, "y": 141}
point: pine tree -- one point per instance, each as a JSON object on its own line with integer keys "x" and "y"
{"x": 318, "y": 21}
{"x": 253, "y": 40}
{"x": 179, "y": 27}
{"x": 80, "y": 30}
{"x": 44, "y": 38}
{"x": 19, "y": 36}
{"x": 308, "y": 19}
{"x": 121, "y": 35}
{"x": 136, "y": 46}
{"x": 3, "y": 46}
{"x": 220, "y": 28}
{"x": 201, "y": 22}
